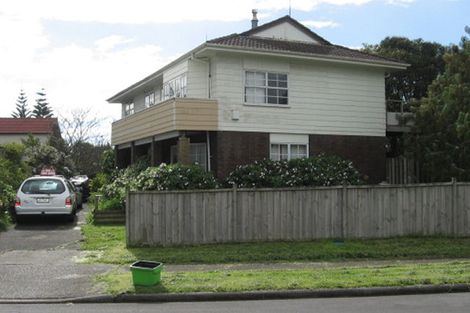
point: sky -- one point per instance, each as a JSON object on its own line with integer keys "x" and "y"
{"x": 84, "y": 51}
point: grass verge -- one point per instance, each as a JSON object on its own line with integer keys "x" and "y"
{"x": 106, "y": 244}
{"x": 225, "y": 281}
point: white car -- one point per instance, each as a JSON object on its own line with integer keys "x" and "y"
{"x": 46, "y": 195}
{"x": 79, "y": 180}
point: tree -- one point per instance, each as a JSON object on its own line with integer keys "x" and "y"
{"x": 21, "y": 106}
{"x": 87, "y": 157}
{"x": 426, "y": 63}
{"x": 85, "y": 144}
{"x": 80, "y": 126}
{"x": 441, "y": 138}
{"x": 40, "y": 155}
{"x": 42, "y": 109}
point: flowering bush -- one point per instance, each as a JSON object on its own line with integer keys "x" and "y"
{"x": 163, "y": 177}
{"x": 322, "y": 170}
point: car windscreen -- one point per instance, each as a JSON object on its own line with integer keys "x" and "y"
{"x": 43, "y": 186}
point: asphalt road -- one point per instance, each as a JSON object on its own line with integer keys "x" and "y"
{"x": 448, "y": 303}
{"x": 38, "y": 260}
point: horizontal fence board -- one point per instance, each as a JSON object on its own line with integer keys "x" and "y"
{"x": 241, "y": 215}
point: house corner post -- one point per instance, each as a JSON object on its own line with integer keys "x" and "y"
{"x": 133, "y": 153}
{"x": 184, "y": 150}
{"x": 152, "y": 152}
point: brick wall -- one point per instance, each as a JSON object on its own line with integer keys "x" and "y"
{"x": 367, "y": 153}
{"x": 229, "y": 149}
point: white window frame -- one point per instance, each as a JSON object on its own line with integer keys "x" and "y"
{"x": 129, "y": 109}
{"x": 266, "y": 88}
{"x": 289, "y": 150}
{"x": 192, "y": 149}
{"x": 149, "y": 99}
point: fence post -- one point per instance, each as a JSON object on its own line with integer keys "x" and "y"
{"x": 454, "y": 206}
{"x": 344, "y": 203}
{"x": 234, "y": 212}
{"x": 128, "y": 217}
{"x": 97, "y": 201}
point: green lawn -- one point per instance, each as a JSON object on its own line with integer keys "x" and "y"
{"x": 106, "y": 244}
{"x": 222, "y": 281}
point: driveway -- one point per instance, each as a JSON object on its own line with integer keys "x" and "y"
{"x": 38, "y": 259}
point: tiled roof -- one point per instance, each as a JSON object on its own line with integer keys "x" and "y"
{"x": 277, "y": 45}
{"x": 27, "y": 125}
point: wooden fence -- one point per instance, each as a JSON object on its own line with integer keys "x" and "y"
{"x": 401, "y": 170}
{"x": 238, "y": 215}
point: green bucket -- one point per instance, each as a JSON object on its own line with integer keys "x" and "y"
{"x": 146, "y": 273}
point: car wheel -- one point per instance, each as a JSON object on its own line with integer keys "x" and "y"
{"x": 71, "y": 217}
{"x": 18, "y": 219}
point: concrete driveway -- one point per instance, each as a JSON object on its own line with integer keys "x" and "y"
{"x": 38, "y": 260}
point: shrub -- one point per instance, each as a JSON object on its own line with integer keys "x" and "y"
{"x": 7, "y": 198}
{"x": 13, "y": 171}
{"x": 175, "y": 177}
{"x": 322, "y": 170}
{"x": 163, "y": 177}
{"x": 98, "y": 182}
{"x": 111, "y": 204}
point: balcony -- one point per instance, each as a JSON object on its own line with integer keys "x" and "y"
{"x": 399, "y": 116}
{"x": 171, "y": 115}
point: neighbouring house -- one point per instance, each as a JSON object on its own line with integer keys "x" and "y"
{"x": 13, "y": 130}
{"x": 276, "y": 91}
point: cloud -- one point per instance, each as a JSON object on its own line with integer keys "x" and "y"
{"x": 320, "y": 24}
{"x": 403, "y": 3}
{"x": 76, "y": 76}
{"x": 151, "y": 11}
{"x": 111, "y": 42}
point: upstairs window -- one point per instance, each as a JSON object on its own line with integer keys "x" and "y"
{"x": 149, "y": 99}
{"x": 175, "y": 88}
{"x": 266, "y": 88}
{"x": 128, "y": 109}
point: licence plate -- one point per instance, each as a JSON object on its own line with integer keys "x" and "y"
{"x": 42, "y": 200}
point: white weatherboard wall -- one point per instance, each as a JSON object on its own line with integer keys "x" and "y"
{"x": 175, "y": 71}
{"x": 324, "y": 98}
{"x": 198, "y": 79}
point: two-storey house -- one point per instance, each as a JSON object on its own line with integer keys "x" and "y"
{"x": 276, "y": 91}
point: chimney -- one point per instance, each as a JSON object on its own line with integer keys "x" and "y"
{"x": 254, "y": 21}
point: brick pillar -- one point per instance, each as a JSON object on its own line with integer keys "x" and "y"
{"x": 184, "y": 152}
